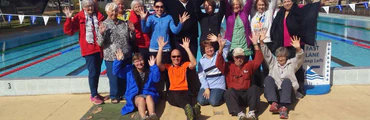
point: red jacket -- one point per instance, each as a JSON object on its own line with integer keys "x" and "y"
{"x": 239, "y": 78}
{"x": 142, "y": 39}
{"x": 78, "y": 24}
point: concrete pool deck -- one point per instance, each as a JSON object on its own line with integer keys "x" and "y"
{"x": 342, "y": 103}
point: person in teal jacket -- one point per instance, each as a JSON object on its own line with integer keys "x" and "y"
{"x": 141, "y": 92}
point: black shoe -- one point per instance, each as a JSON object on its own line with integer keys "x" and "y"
{"x": 189, "y": 112}
{"x": 196, "y": 109}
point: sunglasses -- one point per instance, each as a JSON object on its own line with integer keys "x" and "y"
{"x": 176, "y": 56}
{"x": 157, "y": 6}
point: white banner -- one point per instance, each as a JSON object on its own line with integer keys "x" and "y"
{"x": 46, "y": 19}
{"x": 21, "y": 18}
{"x": 317, "y": 65}
{"x": 353, "y": 7}
{"x": 326, "y": 8}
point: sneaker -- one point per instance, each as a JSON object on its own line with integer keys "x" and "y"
{"x": 189, "y": 112}
{"x": 274, "y": 108}
{"x": 153, "y": 116}
{"x": 242, "y": 116}
{"x": 196, "y": 109}
{"x": 96, "y": 100}
{"x": 251, "y": 116}
{"x": 283, "y": 112}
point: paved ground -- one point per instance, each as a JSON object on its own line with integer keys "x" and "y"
{"x": 343, "y": 102}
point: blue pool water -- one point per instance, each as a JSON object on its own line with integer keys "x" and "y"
{"x": 340, "y": 31}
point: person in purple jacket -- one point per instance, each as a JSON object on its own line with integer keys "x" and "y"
{"x": 237, "y": 24}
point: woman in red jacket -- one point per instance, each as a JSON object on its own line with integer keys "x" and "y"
{"x": 142, "y": 39}
{"x": 87, "y": 23}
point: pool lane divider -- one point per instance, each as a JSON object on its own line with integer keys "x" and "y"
{"x": 355, "y": 43}
{"x": 35, "y": 57}
{"x": 38, "y": 61}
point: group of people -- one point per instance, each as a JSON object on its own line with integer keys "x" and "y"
{"x": 149, "y": 57}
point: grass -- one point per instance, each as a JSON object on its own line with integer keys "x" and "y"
{"x": 107, "y": 112}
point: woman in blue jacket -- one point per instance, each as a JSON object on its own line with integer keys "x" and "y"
{"x": 160, "y": 24}
{"x": 141, "y": 92}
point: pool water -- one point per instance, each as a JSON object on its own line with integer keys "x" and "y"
{"x": 344, "y": 34}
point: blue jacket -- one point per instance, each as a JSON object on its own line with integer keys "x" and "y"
{"x": 131, "y": 87}
{"x": 161, "y": 27}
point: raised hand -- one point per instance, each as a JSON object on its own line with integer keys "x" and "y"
{"x": 151, "y": 60}
{"x": 102, "y": 28}
{"x": 296, "y": 42}
{"x": 142, "y": 13}
{"x": 185, "y": 16}
{"x": 221, "y": 42}
{"x": 254, "y": 38}
{"x": 67, "y": 11}
{"x": 212, "y": 37}
{"x": 131, "y": 26}
{"x": 185, "y": 42}
{"x": 262, "y": 35}
{"x": 119, "y": 54}
{"x": 161, "y": 42}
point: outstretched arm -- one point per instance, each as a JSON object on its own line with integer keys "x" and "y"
{"x": 247, "y": 7}
{"x": 185, "y": 45}
{"x": 71, "y": 25}
{"x": 118, "y": 68}
{"x": 154, "y": 70}
{"x": 298, "y": 59}
{"x": 161, "y": 44}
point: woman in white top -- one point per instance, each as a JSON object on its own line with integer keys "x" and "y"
{"x": 261, "y": 22}
{"x": 263, "y": 18}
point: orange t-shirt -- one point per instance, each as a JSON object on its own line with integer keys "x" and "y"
{"x": 177, "y": 76}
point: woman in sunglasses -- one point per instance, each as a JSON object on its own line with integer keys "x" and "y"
{"x": 160, "y": 24}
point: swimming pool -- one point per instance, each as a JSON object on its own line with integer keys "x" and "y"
{"x": 60, "y": 56}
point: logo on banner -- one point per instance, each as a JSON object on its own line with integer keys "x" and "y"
{"x": 33, "y": 19}
{"x": 317, "y": 63}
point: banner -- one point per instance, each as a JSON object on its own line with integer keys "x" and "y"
{"x": 317, "y": 65}
{"x": 326, "y": 8}
{"x": 9, "y": 17}
{"x": 353, "y": 7}
{"x": 58, "y": 18}
{"x": 366, "y": 4}
{"x": 339, "y": 7}
{"x": 46, "y": 19}
{"x": 21, "y": 18}
{"x": 33, "y": 19}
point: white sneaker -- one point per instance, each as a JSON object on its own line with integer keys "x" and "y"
{"x": 251, "y": 116}
{"x": 242, "y": 116}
